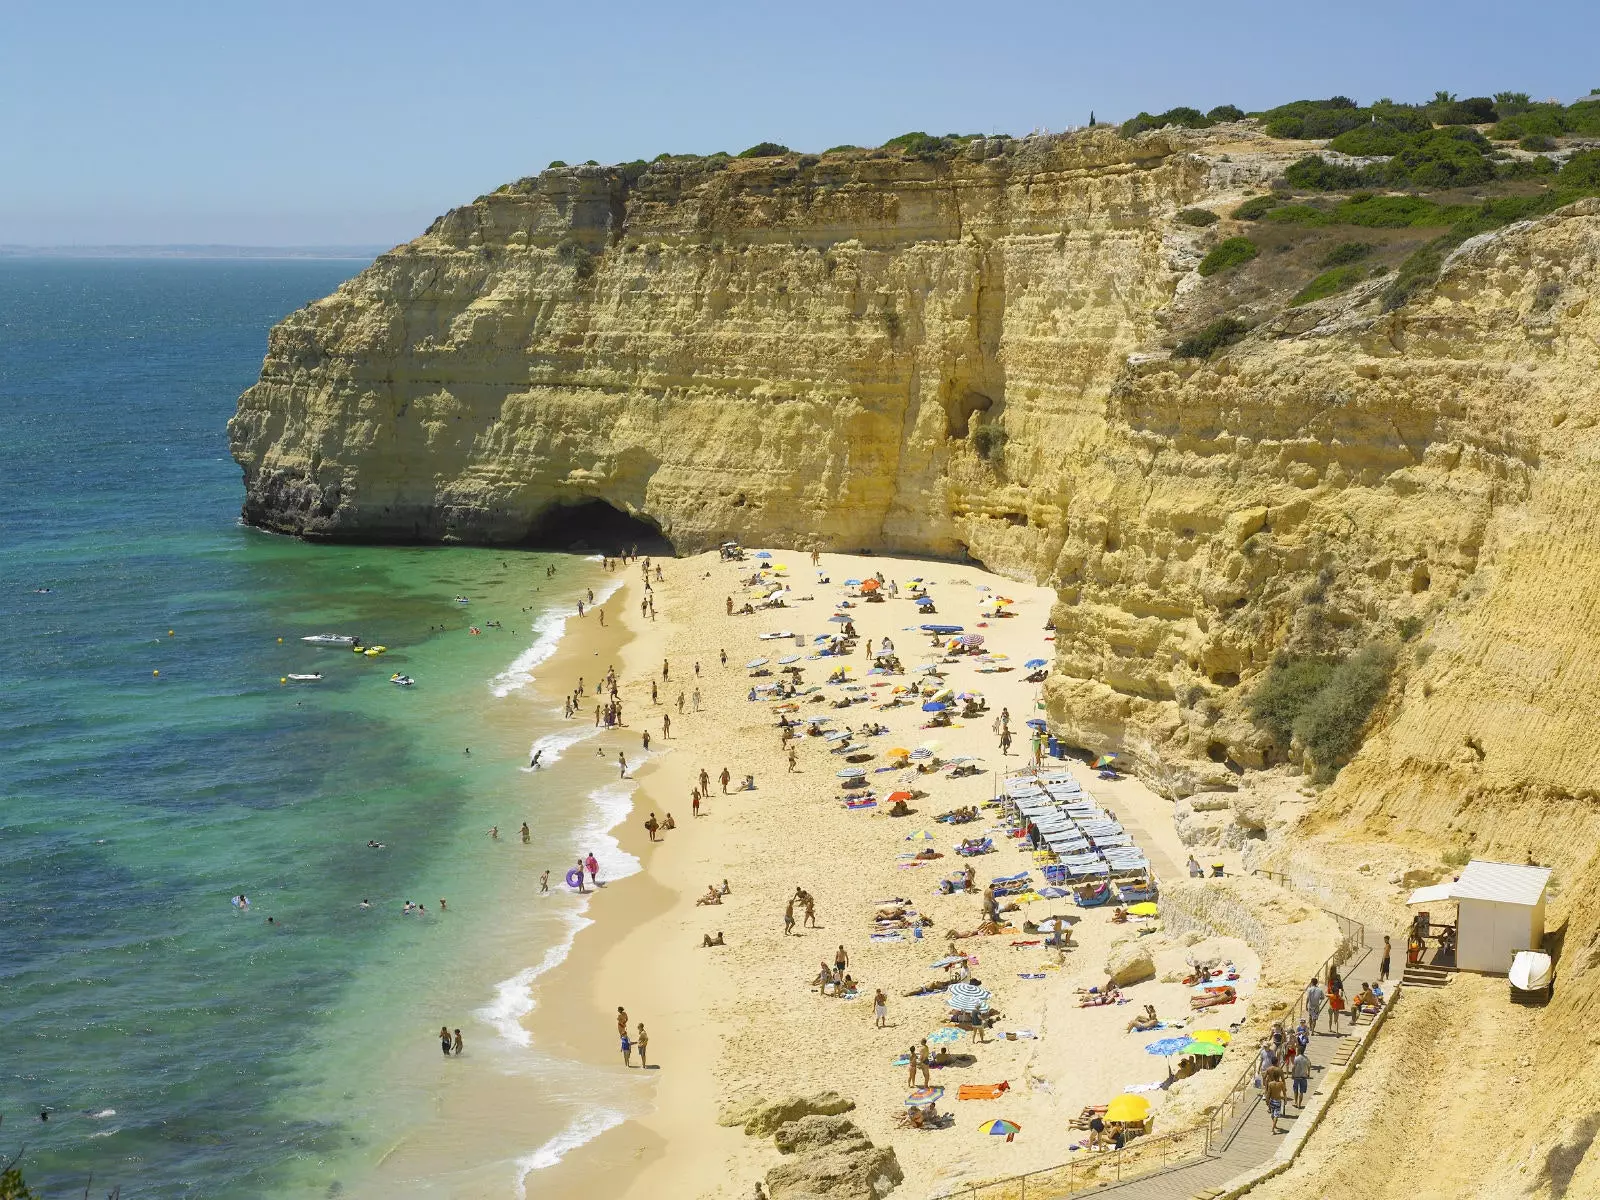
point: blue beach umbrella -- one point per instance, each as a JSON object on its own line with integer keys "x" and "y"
{"x": 839, "y": 619}
{"x": 1167, "y": 1046}
{"x": 940, "y": 628}
{"x": 934, "y": 706}
{"x": 1036, "y": 723}
{"x": 1034, "y": 664}
{"x": 852, "y": 583}
{"x": 762, "y": 554}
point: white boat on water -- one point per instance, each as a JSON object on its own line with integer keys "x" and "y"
{"x": 305, "y": 678}
{"x": 402, "y": 680}
{"x": 332, "y": 639}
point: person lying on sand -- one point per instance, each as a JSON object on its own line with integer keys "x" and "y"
{"x": 712, "y": 896}
{"x": 1219, "y": 998}
{"x": 1145, "y": 1021}
{"x": 708, "y": 940}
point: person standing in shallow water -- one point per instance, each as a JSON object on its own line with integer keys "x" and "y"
{"x": 458, "y": 1044}
{"x": 445, "y": 1040}
{"x": 641, "y": 1044}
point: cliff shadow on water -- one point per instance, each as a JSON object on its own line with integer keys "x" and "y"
{"x": 594, "y": 526}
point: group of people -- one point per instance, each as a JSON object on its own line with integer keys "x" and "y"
{"x": 640, "y": 1041}
{"x": 808, "y": 905}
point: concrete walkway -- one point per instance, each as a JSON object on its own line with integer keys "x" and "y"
{"x": 1251, "y": 1143}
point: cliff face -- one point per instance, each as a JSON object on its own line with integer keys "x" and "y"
{"x": 966, "y": 356}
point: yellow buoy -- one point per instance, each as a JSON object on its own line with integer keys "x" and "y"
{"x": 285, "y": 679}
{"x": 280, "y": 641}
{"x": 169, "y": 633}
{"x": 155, "y": 672}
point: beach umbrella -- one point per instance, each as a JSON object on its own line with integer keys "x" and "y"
{"x": 754, "y": 663}
{"x": 924, "y": 1095}
{"x": 1128, "y": 1107}
{"x": 924, "y": 601}
{"x": 1167, "y": 1046}
{"x": 870, "y": 585}
{"x": 1220, "y": 1036}
{"x": 1033, "y": 664}
{"x": 972, "y": 639}
{"x": 893, "y": 796}
{"x": 852, "y": 583}
{"x": 1143, "y": 909}
{"x": 966, "y": 997}
{"x": 934, "y": 706}
{"x": 920, "y": 754}
{"x": 952, "y": 959}
{"x": 996, "y": 657}
{"x": 763, "y": 554}
{"x": 928, "y": 669}
{"x": 787, "y": 659}
{"x": 1052, "y": 893}
{"x": 932, "y": 746}
{"x": 852, "y": 773}
{"x": 921, "y": 835}
{"x": 941, "y": 628}
{"x": 1027, "y": 897}
{"x": 1105, "y": 760}
{"x": 1203, "y": 1049}
{"x": 1056, "y": 924}
{"x": 1035, "y": 723}
{"x": 897, "y": 751}
{"x": 1000, "y": 1127}
{"x": 839, "y": 619}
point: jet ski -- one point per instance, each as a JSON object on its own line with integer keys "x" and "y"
{"x": 305, "y": 678}
{"x": 332, "y": 639}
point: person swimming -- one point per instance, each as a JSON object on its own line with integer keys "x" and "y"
{"x": 366, "y": 903}
{"x": 241, "y": 901}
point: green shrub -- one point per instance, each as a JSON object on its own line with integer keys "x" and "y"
{"x": 1409, "y": 627}
{"x": 1525, "y": 168}
{"x": 1188, "y": 118}
{"x": 575, "y": 255}
{"x": 1392, "y": 212}
{"x": 1583, "y": 117}
{"x": 1538, "y": 120}
{"x": 840, "y": 149}
{"x": 1316, "y": 174}
{"x": 1299, "y": 214}
{"x": 1476, "y": 110}
{"x": 1314, "y": 118}
{"x": 1255, "y": 208}
{"x": 1345, "y": 253}
{"x": 1582, "y": 170}
{"x": 1225, "y": 112}
{"x": 554, "y": 163}
{"x": 1417, "y": 272}
{"x": 1509, "y": 104}
{"x": 1442, "y": 158}
{"x": 1370, "y": 139}
{"x": 1330, "y": 725}
{"x": 764, "y": 150}
{"x": 1537, "y": 142}
{"x": 1285, "y": 692}
{"x": 1328, "y": 283}
{"x": 1228, "y": 254}
{"x": 990, "y": 442}
{"x": 1200, "y": 217}
{"x": 1224, "y": 331}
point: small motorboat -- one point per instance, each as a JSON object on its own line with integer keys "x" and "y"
{"x": 462, "y": 600}
{"x": 402, "y": 680}
{"x": 305, "y": 678}
{"x": 332, "y": 639}
{"x": 1532, "y": 977}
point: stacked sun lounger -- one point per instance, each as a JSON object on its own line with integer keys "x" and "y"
{"x": 1086, "y": 840}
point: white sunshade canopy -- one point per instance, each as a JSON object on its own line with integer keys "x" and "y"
{"x": 1433, "y": 894}
{"x": 1502, "y": 883}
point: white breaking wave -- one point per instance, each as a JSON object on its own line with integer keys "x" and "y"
{"x": 548, "y": 630}
{"x": 553, "y": 744}
{"x": 613, "y": 803}
{"x": 585, "y": 1129}
{"x": 513, "y": 998}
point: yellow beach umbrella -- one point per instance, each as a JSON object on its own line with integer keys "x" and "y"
{"x": 898, "y": 752}
{"x": 1027, "y": 897}
{"x": 1128, "y": 1107}
{"x": 1220, "y": 1036}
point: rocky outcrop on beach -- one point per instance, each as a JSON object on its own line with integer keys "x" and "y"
{"x": 764, "y": 1117}
{"x": 833, "y": 1158}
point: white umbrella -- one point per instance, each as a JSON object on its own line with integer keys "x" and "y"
{"x": 967, "y": 997}
{"x": 852, "y": 773}
{"x": 754, "y": 663}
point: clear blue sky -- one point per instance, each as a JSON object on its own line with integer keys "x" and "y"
{"x": 341, "y": 122}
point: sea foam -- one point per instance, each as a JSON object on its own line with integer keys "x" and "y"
{"x": 547, "y": 630}
{"x": 585, "y": 1129}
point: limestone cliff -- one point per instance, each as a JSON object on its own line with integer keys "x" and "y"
{"x": 966, "y": 356}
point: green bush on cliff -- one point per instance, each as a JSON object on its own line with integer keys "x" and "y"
{"x": 1223, "y": 332}
{"x": 1298, "y": 214}
{"x": 1329, "y": 283}
{"x": 1225, "y": 255}
{"x": 990, "y": 442}
{"x": 1330, "y": 725}
{"x": 1198, "y": 217}
{"x": 1225, "y": 112}
{"x": 1582, "y": 171}
{"x": 1256, "y": 207}
{"x": 1314, "y": 173}
{"x": 1417, "y": 272}
{"x": 764, "y": 150}
{"x": 1183, "y": 115}
{"x": 1286, "y": 690}
{"x": 1345, "y": 253}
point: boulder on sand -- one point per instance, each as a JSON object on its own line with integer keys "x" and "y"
{"x": 833, "y": 1159}
{"x": 816, "y": 1131}
{"x": 762, "y": 1117}
{"x": 1129, "y": 962}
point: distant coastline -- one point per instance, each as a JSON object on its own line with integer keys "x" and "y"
{"x": 198, "y": 251}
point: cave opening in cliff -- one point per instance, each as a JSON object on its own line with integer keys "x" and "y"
{"x": 596, "y": 527}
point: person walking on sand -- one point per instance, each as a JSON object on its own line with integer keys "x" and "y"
{"x": 680, "y": 703}
{"x": 880, "y": 1009}
{"x": 811, "y": 909}
{"x": 841, "y": 960}
{"x": 924, "y": 1062}
{"x": 1005, "y": 741}
{"x": 696, "y": 699}
{"x": 723, "y": 654}
{"x": 788, "y": 918}
{"x": 666, "y": 674}
{"x": 642, "y": 1043}
{"x": 646, "y": 740}
{"x": 581, "y": 888}
{"x": 666, "y": 726}
{"x": 705, "y": 783}
{"x": 793, "y": 759}
{"x": 725, "y": 777}
{"x": 622, "y": 765}
{"x": 694, "y": 802}
{"x": 653, "y": 699}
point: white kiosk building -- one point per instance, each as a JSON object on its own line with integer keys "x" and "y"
{"x": 1499, "y": 910}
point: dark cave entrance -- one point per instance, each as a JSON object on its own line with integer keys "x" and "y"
{"x": 595, "y": 527}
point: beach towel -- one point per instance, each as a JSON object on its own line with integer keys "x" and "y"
{"x": 887, "y": 937}
{"x": 1022, "y": 975}
{"x": 982, "y": 1091}
{"x": 939, "y": 1036}
{"x": 1137, "y": 1088}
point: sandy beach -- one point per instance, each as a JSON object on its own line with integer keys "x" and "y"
{"x": 742, "y": 1021}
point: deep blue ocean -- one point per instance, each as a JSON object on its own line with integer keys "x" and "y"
{"x": 152, "y": 766}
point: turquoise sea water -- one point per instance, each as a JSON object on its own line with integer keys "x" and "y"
{"x": 184, "y": 1048}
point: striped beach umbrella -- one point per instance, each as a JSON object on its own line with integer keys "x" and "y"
{"x": 967, "y": 997}
{"x": 1000, "y": 1127}
{"x": 852, "y": 773}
